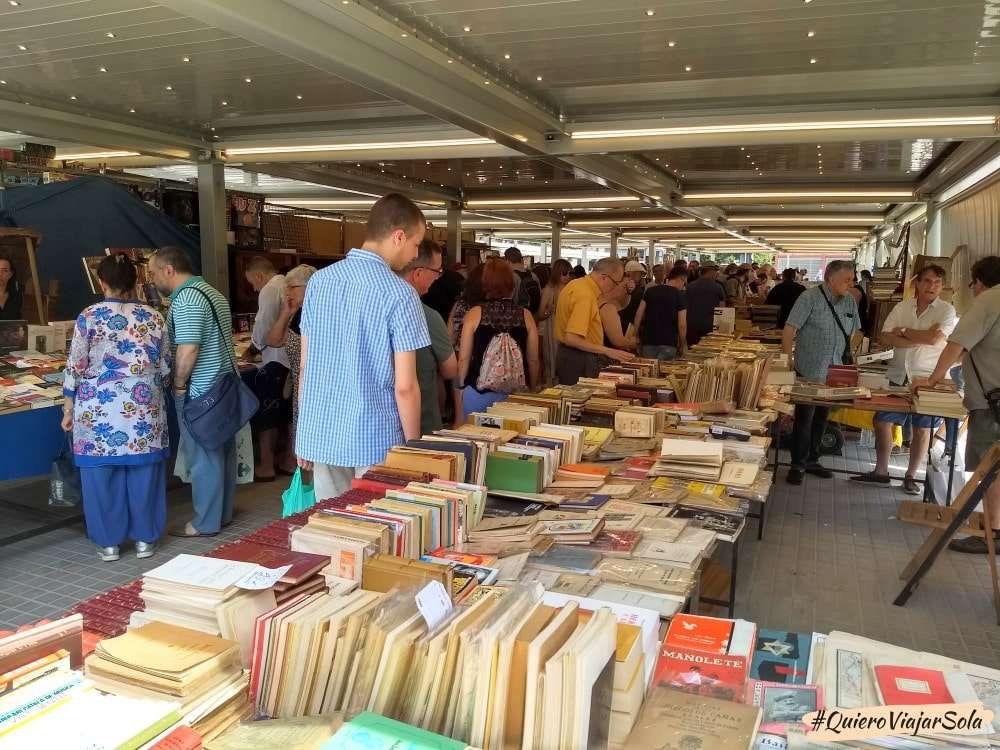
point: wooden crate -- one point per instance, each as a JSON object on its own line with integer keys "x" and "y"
{"x": 935, "y": 516}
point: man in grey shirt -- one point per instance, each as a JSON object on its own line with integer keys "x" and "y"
{"x": 977, "y": 338}
{"x": 819, "y": 325}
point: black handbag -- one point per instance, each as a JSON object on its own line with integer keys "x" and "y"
{"x": 217, "y": 415}
{"x": 846, "y": 358}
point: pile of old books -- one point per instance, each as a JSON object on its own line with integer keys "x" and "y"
{"x": 941, "y": 401}
{"x": 728, "y": 379}
{"x": 689, "y": 459}
{"x": 884, "y": 283}
{"x": 303, "y": 574}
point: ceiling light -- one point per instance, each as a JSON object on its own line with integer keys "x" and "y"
{"x": 185, "y": 59}
{"x": 805, "y": 218}
{"x": 450, "y": 62}
{"x": 553, "y": 199}
{"x": 357, "y": 146}
{"x": 688, "y": 68}
{"x": 248, "y": 80}
{"x": 538, "y": 78}
{"x": 168, "y": 87}
{"x": 486, "y": 83}
{"x": 13, "y": 3}
{"x": 671, "y": 44}
{"x": 811, "y": 34}
{"x": 506, "y": 56}
{"x": 299, "y": 97}
{"x": 902, "y": 122}
{"x": 22, "y": 47}
{"x": 651, "y": 221}
{"x": 96, "y": 155}
{"x": 131, "y": 111}
{"x": 102, "y": 69}
{"x": 812, "y": 60}
{"x": 73, "y": 97}
{"x": 466, "y": 29}
{"x": 650, "y": 12}
{"x": 845, "y": 193}
{"x": 110, "y": 35}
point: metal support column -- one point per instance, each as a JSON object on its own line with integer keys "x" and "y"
{"x": 651, "y": 253}
{"x": 614, "y": 244}
{"x": 454, "y": 249}
{"x": 932, "y": 230}
{"x": 583, "y": 258}
{"x": 212, "y": 224}
{"x": 556, "y": 241}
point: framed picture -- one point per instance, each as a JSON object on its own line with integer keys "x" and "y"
{"x": 18, "y": 246}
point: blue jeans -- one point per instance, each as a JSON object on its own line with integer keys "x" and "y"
{"x": 122, "y": 502}
{"x": 658, "y": 351}
{"x": 213, "y": 477}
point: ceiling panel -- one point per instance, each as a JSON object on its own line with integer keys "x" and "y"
{"x": 483, "y": 174}
{"x": 152, "y": 48}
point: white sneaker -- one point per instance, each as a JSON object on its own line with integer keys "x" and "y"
{"x": 144, "y": 550}
{"x": 108, "y": 554}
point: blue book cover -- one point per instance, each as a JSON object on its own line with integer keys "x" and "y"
{"x": 590, "y": 502}
{"x": 780, "y": 656}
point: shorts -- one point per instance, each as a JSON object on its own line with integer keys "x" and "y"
{"x": 984, "y": 431}
{"x": 913, "y": 420}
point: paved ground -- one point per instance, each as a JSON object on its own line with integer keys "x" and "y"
{"x": 830, "y": 560}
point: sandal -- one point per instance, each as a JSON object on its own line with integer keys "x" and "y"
{"x": 911, "y": 486}
{"x": 871, "y": 478}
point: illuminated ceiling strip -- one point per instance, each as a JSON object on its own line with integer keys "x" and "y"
{"x": 550, "y": 201}
{"x": 387, "y": 145}
{"x": 96, "y": 155}
{"x": 627, "y": 222}
{"x": 909, "y": 122}
{"x": 970, "y": 180}
{"x": 822, "y": 232}
{"x": 810, "y": 219}
{"x": 695, "y": 195}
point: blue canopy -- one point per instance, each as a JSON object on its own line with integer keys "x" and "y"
{"x": 81, "y": 218}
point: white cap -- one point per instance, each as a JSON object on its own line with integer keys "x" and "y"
{"x": 634, "y": 266}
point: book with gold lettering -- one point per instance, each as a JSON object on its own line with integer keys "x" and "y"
{"x": 677, "y": 720}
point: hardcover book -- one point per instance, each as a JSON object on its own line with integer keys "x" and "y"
{"x": 781, "y": 657}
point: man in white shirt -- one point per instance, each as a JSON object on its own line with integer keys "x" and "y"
{"x": 918, "y": 331}
{"x": 269, "y": 379}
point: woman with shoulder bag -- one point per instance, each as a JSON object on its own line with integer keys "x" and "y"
{"x": 113, "y": 386}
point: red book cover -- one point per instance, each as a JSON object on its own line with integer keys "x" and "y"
{"x": 842, "y": 376}
{"x": 911, "y": 686}
{"x": 694, "y": 658}
{"x": 303, "y": 564}
{"x": 373, "y": 486}
{"x": 616, "y": 543}
{"x": 182, "y": 738}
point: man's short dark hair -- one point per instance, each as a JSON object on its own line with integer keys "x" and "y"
{"x": 680, "y": 263}
{"x": 174, "y": 257}
{"x": 933, "y": 268}
{"x": 677, "y": 273}
{"x": 260, "y": 264}
{"x": 427, "y": 252}
{"x": 789, "y": 274}
{"x": 392, "y": 212}
{"x": 987, "y": 271}
{"x": 512, "y": 255}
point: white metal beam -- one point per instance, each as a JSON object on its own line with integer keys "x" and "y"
{"x": 348, "y": 178}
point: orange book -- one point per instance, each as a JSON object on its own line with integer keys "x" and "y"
{"x": 597, "y": 471}
{"x": 706, "y": 634}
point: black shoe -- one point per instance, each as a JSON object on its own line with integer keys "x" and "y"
{"x": 972, "y": 545}
{"x": 818, "y": 470}
{"x": 794, "y": 476}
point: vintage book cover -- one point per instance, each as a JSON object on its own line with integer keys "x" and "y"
{"x": 780, "y": 656}
{"x": 782, "y": 705}
{"x": 679, "y": 720}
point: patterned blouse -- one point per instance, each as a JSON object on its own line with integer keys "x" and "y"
{"x": 115, "y": 374}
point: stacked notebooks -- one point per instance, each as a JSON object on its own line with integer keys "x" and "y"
{"x": 689, "y": 459}
{"x": 940, "y": 401}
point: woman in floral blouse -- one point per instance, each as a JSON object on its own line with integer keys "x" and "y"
{"x": 114, "y": 387}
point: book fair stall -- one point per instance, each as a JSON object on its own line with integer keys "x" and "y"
{"x": 558, "y": 572}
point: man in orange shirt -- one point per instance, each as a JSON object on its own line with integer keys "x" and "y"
{"x": 578, "y": 323}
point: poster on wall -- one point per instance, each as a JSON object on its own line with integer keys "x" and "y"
{"x": 145, "y": 288}
{"x": 245, "y": 219}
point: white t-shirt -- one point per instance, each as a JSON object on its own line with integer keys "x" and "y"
{"x": 918, "y": 361}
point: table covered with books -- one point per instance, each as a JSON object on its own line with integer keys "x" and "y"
{"x": 531, "y": 579}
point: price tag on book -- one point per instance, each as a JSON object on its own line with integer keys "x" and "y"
{"x": 434, "y": 603}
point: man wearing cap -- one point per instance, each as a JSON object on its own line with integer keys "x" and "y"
{"x": 703, "y": 296}
{"x": 635, "y": 272}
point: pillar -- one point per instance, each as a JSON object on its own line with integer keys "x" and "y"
{"x": 932, "y": 230}
{"x": 651, "y": 253}
{"x": 556, "y": 241}
{"x": 583, "y": 257}
{"x": 454, "y": 249}
{"x": 614, "y": 245}
{"x": 212, "y": 224}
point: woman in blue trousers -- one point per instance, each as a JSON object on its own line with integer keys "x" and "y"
{"x": 114, "y": 407}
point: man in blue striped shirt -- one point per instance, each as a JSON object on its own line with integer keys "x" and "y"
{"x": 361, "y": 328}
{"x": 200, "y": 328}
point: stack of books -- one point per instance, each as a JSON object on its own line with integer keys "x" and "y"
{"x": 689, "y": 459}
{"x": 302, "y": 577}
{"x": 940, "y": 401}
{"x": 884, "y": 283}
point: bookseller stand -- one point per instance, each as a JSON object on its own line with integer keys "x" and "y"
{"x": 952, "y": 519}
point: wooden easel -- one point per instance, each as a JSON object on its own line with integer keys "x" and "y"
{"x": 947, "y": 521}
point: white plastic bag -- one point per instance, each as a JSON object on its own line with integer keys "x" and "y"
{"x": 244, "y": 459}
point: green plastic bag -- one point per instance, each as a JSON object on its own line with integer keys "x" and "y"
{"x": 298, "y": 497}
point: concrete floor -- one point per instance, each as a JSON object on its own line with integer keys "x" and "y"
{"x": 830, "y": 559}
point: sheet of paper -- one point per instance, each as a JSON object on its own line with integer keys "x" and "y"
{"x": 262, "y": 578}
{"x": 433, "y": 603}
{"x": 217, "y": 574}
{"x": 510, "y": 567}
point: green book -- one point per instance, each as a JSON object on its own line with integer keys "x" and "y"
{"x": 368, "y": 731}
{"x": 507, "y": 471}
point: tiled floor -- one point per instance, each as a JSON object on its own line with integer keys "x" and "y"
{"x": 830, "y": 559}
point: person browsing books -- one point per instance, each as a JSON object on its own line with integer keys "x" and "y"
{"x": 200, "y": 330}
{"x": 437, "y": 360}
{"x": 612, "y": 305}
{"x": 703, "y": 296}
{"x": 917, "y": 329}
{"x": 976, "y": 342}
{"x": 578, "y": 323}
{"x": 114, "y": 407}
{"x": 498, "y": 353}
{"x": 561, "y": 274}
{"x": 662, "y": 318}
{"x": 819, "y": 326}
{"x": 362, "y": 326}
{"x": 785, "y": 294}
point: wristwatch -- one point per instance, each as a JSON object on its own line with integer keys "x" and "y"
{"x": 903, "y": 331}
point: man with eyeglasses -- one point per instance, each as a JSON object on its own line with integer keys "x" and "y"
{"x": 578, "y": 323}
{"x": 439, "y": 358}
